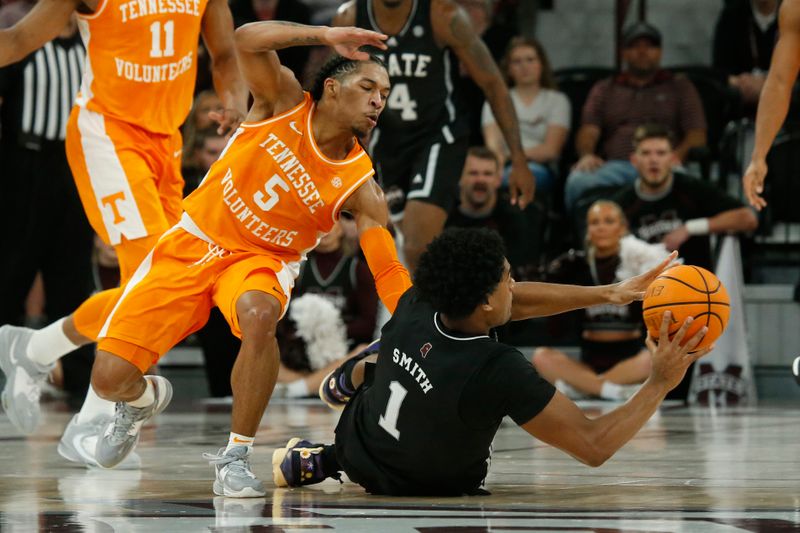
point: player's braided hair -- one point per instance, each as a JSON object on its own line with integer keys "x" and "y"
{"x": 460, "y": 269}
{"x": 337, "y": 67}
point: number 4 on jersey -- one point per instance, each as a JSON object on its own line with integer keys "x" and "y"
{"x": 400, "y": 100}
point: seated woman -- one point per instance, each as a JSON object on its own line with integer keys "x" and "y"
{"x": 614, "y": 360}
{"x": 331, "y": 316}
{"x": 542, "y": 111}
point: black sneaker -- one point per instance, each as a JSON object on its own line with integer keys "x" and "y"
{"x": 300, "y": 463}
{"x": 333, "y": 390}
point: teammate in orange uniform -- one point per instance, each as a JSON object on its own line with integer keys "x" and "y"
{"x": 123, "y": 146}
{"x": 281, "y": 183}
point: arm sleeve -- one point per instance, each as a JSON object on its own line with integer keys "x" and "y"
{"x": 391, "y": 277}
{"x": 508, "y": 385}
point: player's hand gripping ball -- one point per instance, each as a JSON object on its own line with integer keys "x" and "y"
{"x": 687, "y": 291}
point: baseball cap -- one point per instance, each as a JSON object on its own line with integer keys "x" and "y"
{"x": 639, "y": 30}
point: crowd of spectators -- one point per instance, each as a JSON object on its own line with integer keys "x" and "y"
{"x": 635, "y": 139}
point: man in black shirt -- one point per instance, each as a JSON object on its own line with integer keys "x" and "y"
{"x": 481, "y": 206}
{"x": 421, "y": 420}
{"x": 674, "y": 208}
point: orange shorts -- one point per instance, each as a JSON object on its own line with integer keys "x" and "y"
{"x": 172, "y": 292}
{"x": 128, "y": 178}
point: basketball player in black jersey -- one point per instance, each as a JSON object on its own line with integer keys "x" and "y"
{"x": 421, "y": 140}
{"x": 421, "y": 419}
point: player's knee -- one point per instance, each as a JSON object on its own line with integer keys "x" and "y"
{"x": 258, "y": 319}
{"x": 111, "y": 385}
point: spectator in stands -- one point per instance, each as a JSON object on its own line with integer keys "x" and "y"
{"x": 205, "y": 102}
{"x": 642, "y": 93}
{"x": 245, "y": 11}
{"x": 480, "y": 205}
{"x": 744, "y": 39}
{"x": 664, "y": 205}
{"x": 613, "y": 358}
{"x": 542, "y": 111}
{"x": 333, "y": 311}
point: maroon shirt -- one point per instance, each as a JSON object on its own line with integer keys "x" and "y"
{"x": 618, "y": 107}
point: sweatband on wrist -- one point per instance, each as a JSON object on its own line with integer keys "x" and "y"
{"x": 698, "y": 226}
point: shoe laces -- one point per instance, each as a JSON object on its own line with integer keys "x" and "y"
{"x": 237, "y": 464}
{"x": 125, "y": 418}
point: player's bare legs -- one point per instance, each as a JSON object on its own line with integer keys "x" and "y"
{"x": 256, "y": 369}
{"x": 252, "y": 380}
{"x": 421, "y": 223}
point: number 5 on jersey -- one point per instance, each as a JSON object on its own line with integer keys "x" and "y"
{"x": 268, "y": 198}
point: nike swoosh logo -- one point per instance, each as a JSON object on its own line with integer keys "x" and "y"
{"x": 236, "y": 440}
{"x": 77, "y": 444}
{"x": 11, "y": 356}
{"x": 293, "y": 125}
{"x": 177, "y": 153}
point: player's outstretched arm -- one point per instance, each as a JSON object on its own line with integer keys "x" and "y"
{"x": 533, "y": 299}
{"x": 773, "y": 104}
{"x": 452, "y": 25}
{"x": 41, "y": 25}
{"x": 368, "y": 206}
{"x": 593, "y": 441}
{"x": 228, "y": 81}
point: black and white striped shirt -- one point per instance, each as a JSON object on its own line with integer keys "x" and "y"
{"x": 39, "y": 91}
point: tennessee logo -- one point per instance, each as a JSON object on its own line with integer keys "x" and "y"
{"x": 111, "y": 201}
{"x": 337, "y": 182}
{"x": 425, "y": 349}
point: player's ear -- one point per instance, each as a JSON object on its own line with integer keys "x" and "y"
{"x": 331, "y": 87}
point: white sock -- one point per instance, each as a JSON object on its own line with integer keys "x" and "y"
{"x": 49, "y": 344}
{"x": 147, "y": 398}
{"x": 297, "y": 389}
{"x": 239, "y": 440}
{"x": 94, "y": 405}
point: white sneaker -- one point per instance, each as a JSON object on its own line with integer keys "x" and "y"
{"x": 122, "y": 432}
{"x": 796, "y": 369}
{"x": 79, "y": 442}
{"x": 24, "y": 379}
{"x": 233, "y": 475}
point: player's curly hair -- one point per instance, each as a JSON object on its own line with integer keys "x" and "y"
{"x": 337, "y": 67}
{"x": 460, "y": 269}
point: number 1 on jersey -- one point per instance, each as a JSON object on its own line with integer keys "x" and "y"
{"x": 169, "y": 38}
{"x": 388, "y": 421}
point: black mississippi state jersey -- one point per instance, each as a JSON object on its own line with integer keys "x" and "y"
{"x": 424, "y": 98}
{"x": 425, "y": 423}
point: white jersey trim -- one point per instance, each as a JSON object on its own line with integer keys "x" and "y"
{"x": 107, "y": 177}
{"x": 318, "y": 151}
{"x": 274, "y": 118}
{"x": 343, "y": 198}
{"x": 436, "y": 323}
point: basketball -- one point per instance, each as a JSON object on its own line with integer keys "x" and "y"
{"x": 687, "y": 291}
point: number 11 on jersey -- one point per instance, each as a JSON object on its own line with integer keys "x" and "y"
{"x": 388, "y": 421}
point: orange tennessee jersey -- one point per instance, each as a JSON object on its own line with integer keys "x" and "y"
{"x": 141, "y": 60}
{"x": 272, "y": 190}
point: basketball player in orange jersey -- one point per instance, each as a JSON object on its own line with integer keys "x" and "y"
{"x": 773, "y": 105}
{"x": 283, "y": 179}
{"x": 123, "y": 147}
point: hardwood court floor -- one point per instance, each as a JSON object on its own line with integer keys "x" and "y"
{"x": 688, "y": 470}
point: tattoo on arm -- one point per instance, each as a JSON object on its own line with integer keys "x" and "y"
{"x": 288, "y": 42}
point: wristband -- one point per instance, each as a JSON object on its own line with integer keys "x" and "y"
{"x": 698, "y": 226}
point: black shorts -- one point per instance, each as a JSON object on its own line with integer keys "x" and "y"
{"x": 601, "y": 356}
{"x": 427, "y": 170}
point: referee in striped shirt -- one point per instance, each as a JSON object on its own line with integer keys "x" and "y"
{"x": 42, "y": 224}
